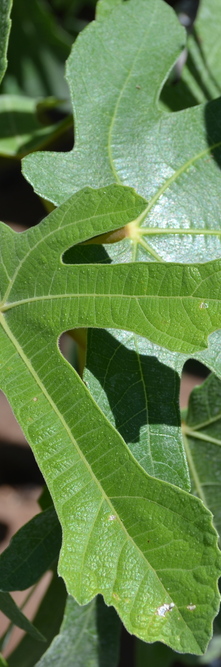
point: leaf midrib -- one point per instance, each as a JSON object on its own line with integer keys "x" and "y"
{"x": 154, "y": 231}
{"x": 177, "y": 173}
{"x": 146, "y": 405}
{"x": 194, "y": 471}
{"x": 200, "y": 425}
{"x": 71, "y": 295}
{"x": 161, "y": 114}
{"x": 201, "y": 436}
{"x": 68, "y": 430}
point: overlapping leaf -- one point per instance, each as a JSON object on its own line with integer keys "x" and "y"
{"x": 89, "y": 637}
{"x": 153, "y": 435}
{"x": 121, "y": 135}
{"x": 146, "y": 545}
{"x": 139, "y": 395}
{"x": 202, "y": 432}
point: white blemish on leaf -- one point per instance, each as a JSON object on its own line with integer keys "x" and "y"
{"x": 161, "y": 611}
{"x": 191, "y": 607}
{"x": 35, "y": 399}
{"x": 203, "y": 304}
{"x": 111, "y": 517}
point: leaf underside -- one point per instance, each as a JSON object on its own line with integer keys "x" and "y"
{"x": 83, "y": 634}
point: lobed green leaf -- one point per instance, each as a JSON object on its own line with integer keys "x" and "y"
{"x": 146, "y": 545}
{"x": 123, "y": 136}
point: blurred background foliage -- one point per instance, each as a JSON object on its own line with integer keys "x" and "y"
{"x": 35, "y": 106}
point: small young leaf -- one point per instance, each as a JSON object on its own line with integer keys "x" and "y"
{"x": 31, "y": 552}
